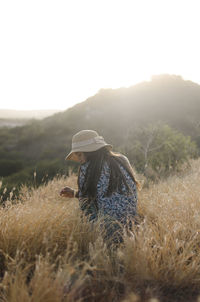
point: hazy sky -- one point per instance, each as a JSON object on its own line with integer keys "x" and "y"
{"x": 55, "y": 53}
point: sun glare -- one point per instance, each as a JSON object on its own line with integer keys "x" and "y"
{"x": 55, "y": 54}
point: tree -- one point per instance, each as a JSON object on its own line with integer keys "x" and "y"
{"x": 159, "y": 148}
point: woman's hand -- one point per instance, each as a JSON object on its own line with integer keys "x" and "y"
{"x": 67, "y": 192}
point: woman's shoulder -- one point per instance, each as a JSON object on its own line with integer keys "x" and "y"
{"x": 125, "y": 163}
{"x": 122, "y": 158}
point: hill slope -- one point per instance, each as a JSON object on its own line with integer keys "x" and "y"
{"x": 114, "y": 113}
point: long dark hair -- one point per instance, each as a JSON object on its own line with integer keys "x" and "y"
{"x": 96, "y": 161}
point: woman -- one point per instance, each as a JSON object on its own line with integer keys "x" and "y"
{"x": 106, "y": 183}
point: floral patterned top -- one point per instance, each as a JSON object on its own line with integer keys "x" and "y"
{"x": 119, "y": 206}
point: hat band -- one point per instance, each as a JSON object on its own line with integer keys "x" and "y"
{"x": 96, "y": 140}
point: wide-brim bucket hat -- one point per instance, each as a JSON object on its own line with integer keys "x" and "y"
{"x": 86, "y": 141}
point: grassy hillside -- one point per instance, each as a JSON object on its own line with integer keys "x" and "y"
{"x": 50, "y": 253}
{"x": 117, "y": 114}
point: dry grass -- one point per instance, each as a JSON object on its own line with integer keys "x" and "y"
{"x": 49, "y": 252}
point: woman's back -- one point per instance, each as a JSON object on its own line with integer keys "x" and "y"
{"x": 121, "y": 204}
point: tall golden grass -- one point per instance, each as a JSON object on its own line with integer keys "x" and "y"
{"x": 50, "y": 252}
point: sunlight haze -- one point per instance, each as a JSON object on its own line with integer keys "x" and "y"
{"x": 55, "y": 54}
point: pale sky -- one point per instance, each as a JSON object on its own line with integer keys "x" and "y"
{"x": 55, "y": 53}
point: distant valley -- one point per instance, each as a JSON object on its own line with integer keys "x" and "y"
{"x": 16, "y": 118}
{"x": 26, "y": 114}
{"x": 10, "y": 123}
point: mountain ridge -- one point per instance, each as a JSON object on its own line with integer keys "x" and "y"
{"x": 162, "y": 98}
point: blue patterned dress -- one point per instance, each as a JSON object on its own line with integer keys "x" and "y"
{"x": 118, "y": 207}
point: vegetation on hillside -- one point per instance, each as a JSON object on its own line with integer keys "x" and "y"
{"x": 158, "y": 151}
{"x": 49, "y": 252}
{"x": 156, "y": 124}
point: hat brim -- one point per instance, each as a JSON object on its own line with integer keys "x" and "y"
{"x": 72, "y": 155}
